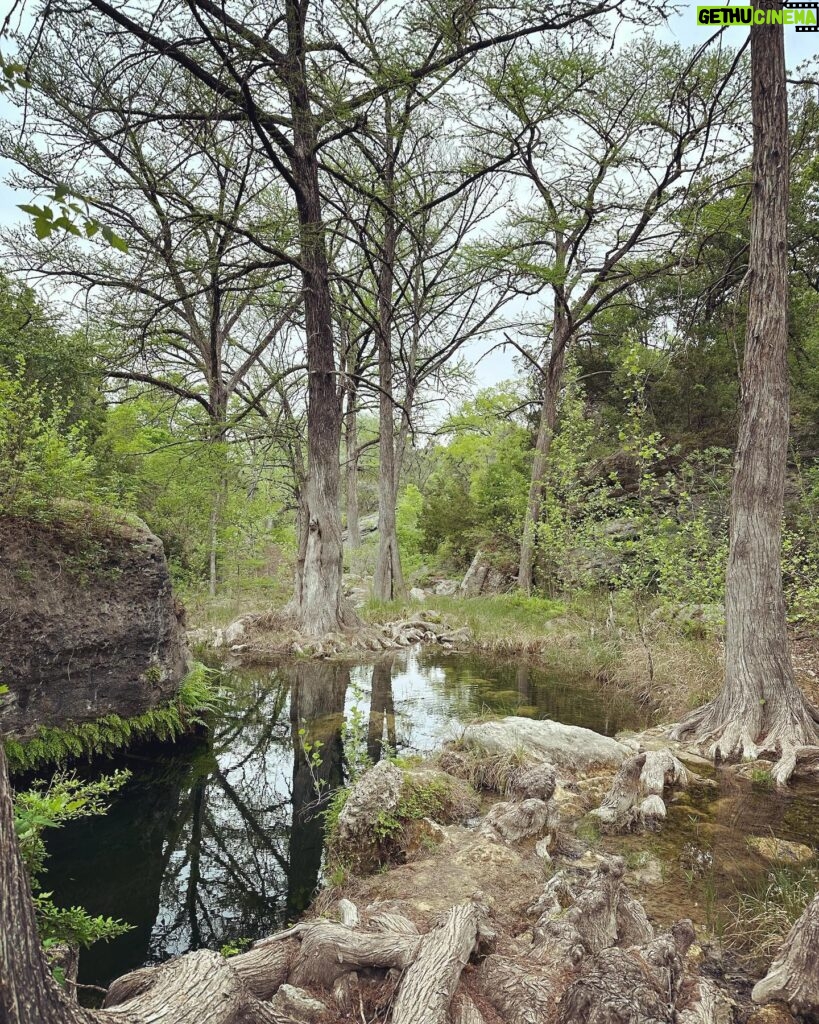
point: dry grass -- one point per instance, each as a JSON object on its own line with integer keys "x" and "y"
{"x": 497, "y": 773}
{"x": 760, "y": 920}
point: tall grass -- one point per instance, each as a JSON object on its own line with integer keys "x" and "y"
{"x": 760, "y": 919}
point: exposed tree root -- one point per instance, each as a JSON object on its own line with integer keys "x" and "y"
{"x": 597, "y": 961}
{"x": 269, "y": 635}
{"x": 430, "y": 983}
{"x": 784, "y": 727}
{"x": 590, "y": 957}
{"x": 635, "y": 799}
{"x": 794, "y": 975}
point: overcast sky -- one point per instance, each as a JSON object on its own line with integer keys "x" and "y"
{"x": 497, "y": 366}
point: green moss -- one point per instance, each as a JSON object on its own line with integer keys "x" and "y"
{"x": 434, "y": 797}
{"x": 198, "y": 696}
{"x": 588, "y": 830}
{"x": 153, "y": 675}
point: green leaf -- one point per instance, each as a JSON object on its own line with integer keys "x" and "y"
{"x": 113, "y": 239}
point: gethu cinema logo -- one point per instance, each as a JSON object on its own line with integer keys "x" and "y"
{"x": 803, "y": 16}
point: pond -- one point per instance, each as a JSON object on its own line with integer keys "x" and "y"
{"x": 219, "y": 838}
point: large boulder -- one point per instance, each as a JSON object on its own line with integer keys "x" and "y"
{"x": 483, "y": 578}
{"x": 568, "y": 747}
{"x": 88, "y": 622}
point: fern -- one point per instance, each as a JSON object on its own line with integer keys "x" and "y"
{"x": 198, "y": 698}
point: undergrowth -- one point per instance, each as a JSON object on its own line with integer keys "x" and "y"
{"x": 760, "y": 919}
{"x": 197, "y": 698}
{"x": 46, "y": 806}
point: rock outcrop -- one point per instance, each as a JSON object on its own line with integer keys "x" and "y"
{"x": 568, "y": 747}
{"x": 88, "y": 623}
{"x": 483, "y": 578}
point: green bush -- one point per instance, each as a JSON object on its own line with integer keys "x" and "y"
{"x": 44, "y": 806}
{"x": 44, "y": 460}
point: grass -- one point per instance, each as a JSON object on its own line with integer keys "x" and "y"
{"x": 760, "y": 919}
{"x": 197, "y": 696}
{"x": 497, "y": 773}
{"x": 645, "y": 651}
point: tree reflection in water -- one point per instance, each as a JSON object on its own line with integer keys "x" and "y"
{"x": 219, "y": 837}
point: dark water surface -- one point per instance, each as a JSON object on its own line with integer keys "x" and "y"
{"x": 219, "y": 837}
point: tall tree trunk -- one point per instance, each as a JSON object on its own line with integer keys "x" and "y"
{"x": 543, "y": 444}
{"x": 389, "y": 578}
{"x": 28, "y": 993}
{"x": 351, "y": 451}
{"x": 218, "y": 433}
{"x": 320, "y": 605}
{"x": 760, "y": 708}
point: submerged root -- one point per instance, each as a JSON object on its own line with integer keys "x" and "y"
{"x": 635, "y": 799}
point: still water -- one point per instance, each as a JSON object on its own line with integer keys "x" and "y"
{"x": 219, "y": 837}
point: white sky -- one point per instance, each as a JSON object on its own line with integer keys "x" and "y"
{"x": 682, "y": 28}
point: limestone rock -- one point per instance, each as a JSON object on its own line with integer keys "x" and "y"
{"x": 416, "y": 594}
{"x": 446, "y": 588}
{"x": 233, "y": 633}
{"x": 516, "y": 821}
{"x": 483, "y": 578}
{"x": 378, "y": 791}
{"x": 88, "y": 622}
{"x": 780, "y": 851}
{"x": 538, "y": 782}
{"x": 569, "y": 747}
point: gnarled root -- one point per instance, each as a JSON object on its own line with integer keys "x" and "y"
{"x": 734, "y": 728}
{"x": 429, "y": 985}
{"x": 199, "y": 988}
{"x": 635, "y": 800}
{"x": 595, "y": 959}
{"x": 794, "y": 974}
{"x": 640, "y": 983}
{"x": 329, "y": 950}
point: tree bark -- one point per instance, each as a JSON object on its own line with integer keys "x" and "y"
{"x": 760, "y": 708}
{"x": 351, "y": 451}
{"x": 543, "y": 444}
{"x": 320, "y": 604}
{"x": 388, "y": 582}
{"x": 794, "y": 974}
{"x": 28, "y": 992}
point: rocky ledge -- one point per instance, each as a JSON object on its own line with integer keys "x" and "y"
{"x": 88, "y": 622}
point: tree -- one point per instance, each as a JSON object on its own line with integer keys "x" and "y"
{"x": 605, "y": 150}
{"x": 201, "y": 296}
{"x": 760, "y": 709}
{"x": 300, "y": 80}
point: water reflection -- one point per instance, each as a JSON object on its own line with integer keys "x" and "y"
{"x": 220, "y": 838}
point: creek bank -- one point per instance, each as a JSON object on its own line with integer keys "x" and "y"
{"x": 467, "y": 891}
{"x": 264, "y": 636}
{"x": 88, "y": 623}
